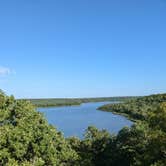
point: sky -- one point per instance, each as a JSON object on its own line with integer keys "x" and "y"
{"x": 82, "y": 48}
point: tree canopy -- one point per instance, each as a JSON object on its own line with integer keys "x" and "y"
{"x": 26, "y": 139}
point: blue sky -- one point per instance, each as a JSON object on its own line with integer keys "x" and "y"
{"x": 82, "y": 48}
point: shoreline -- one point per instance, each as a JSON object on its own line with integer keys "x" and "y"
{"x": 127, "y": 116}
{"x": 58, "y": 102}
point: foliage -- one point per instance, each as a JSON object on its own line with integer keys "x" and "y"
{"x": 91, "y": 148}
{"x": 71, "y": 101}
{"x": 136, "y": 109}
{"x": 28, "y": 140}
{"x": 144, "y": 144}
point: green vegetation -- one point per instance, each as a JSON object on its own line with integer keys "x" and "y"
{"x": 72, "y": 101}
{"x": 144, "y": 144}
{"x": 136, "y": 109}
{"x": 26, "y": 139}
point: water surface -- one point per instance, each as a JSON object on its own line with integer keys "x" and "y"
{"x": 74, "y": 120}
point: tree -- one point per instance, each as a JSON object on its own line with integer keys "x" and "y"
{"x": 27, "y": 139}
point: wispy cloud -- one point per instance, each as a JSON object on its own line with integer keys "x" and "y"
{"x": 5, "y": 71}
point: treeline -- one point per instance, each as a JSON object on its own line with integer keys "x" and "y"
{"x": 26, "y": 139}
{"x": 136, "y": 109}
{"x": 73, "y": 101}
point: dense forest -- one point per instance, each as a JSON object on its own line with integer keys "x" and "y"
{"x": 26, "y": 139}
{"x": 136, "y": 109}
{"x": 73, "y": 101}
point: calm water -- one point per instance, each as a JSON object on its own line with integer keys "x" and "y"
{"x": 74, "y": 120}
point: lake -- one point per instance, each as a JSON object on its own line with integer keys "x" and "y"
{"x": 74, "y": 120}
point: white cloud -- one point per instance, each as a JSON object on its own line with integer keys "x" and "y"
{"x": 4, "y": 71}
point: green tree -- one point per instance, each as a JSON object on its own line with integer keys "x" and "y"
{"x": 27, "y": 139}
